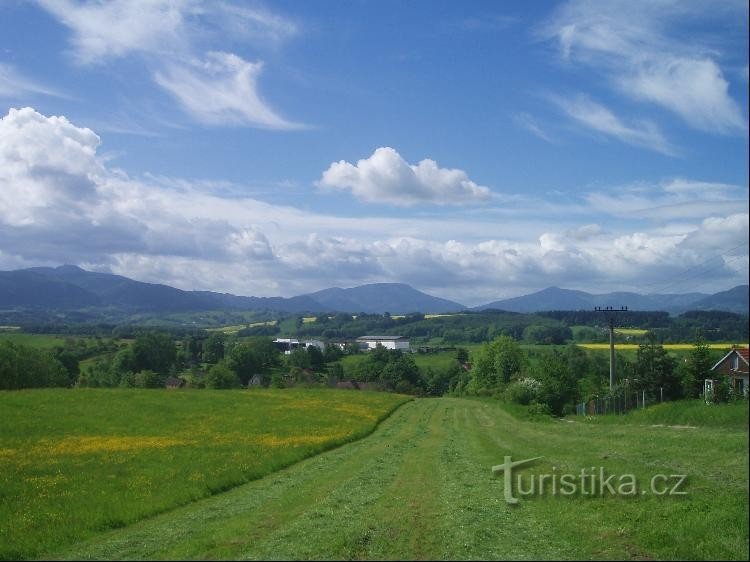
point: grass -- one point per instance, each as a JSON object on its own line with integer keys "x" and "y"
{"x": 76, "y": 462}
{"x": 631, "y": 331}
{"x": 40, "y": 341}
{"x": 237, "y": 327}
{"x": 667, "y": 346}
{"x": 420, "y": 487}
{"x": 685, "y": 413}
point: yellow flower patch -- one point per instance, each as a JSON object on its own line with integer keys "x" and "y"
{"x": 84, "y": 445}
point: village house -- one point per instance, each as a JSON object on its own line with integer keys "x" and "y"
{"x": 735, "y": 366}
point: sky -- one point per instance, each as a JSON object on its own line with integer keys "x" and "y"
{"x": 475, "y": 150}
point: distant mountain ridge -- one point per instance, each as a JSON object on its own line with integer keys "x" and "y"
{"x": 69, "y": 287}
{"x": 554, "y": 298}
{"x": 376, "y": 298}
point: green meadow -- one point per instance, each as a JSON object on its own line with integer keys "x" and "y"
{"x": 41, "y": 341}
{"x": 74, "y": 463}
{"x": 420, "y": 487}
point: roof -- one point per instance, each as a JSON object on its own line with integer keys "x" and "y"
{"x": 743, "y": 352}
{"x": 383, "y": 338}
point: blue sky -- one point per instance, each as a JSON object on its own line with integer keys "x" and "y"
{"x": 475, "y": 150}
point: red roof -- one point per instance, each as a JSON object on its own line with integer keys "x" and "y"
{"x": 744, "y": 353}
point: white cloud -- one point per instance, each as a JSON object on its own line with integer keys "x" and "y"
{"x": 635, "y": 46}
{"x": 599, "y": 118}
{"x": 385, "y": 177}
{"x": 61, "y": 203}
{"x": 222, "y": 89}
{"x": 526, "y": 121}
{"x": 671, "y": 199}
{"x": 14, "y": 84}
{"x": 113, "y": 29}
{"x": 216, "y": 88}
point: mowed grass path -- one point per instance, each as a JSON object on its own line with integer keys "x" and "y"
{"x": 420, "y": 487}
{"x": 76, "y": 462}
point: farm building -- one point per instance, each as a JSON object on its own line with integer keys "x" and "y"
{"x": 389, "y": 342}
{"x": 174, "y": 382}
{"x": 735, "y": 365}
{"x": 287, "y": 345}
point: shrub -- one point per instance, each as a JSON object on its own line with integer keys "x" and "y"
{"x": 523, "y": 391}
{"x": 221, "y": 376}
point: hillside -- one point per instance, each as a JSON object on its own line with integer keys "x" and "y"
{"x": 554, "y": 298}
{"x": 70, "y": 289}
{"x": 377, "y": 298}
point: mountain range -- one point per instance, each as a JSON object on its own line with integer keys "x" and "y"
{"x": 554, "y": 298}
{"x": 69, "y": 287}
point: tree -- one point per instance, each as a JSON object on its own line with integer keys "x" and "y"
{"x": 299, "y": 358}
{"x": 697, "y": 369}
{"x": 148, "y": 379}
{"x": 655, "y": 371}
{"x": 253, "y": 357}
{"x": 317, "y": 360}
{"x": 333, "y": 353}
{"x": 559, "y": 388}
{"x": 497, "y": 362}
{"x": 220, "y": 376}
{"x": 213, "y": 349}
{"x": 462, "y": 355}
{"x": 154, "y": 351}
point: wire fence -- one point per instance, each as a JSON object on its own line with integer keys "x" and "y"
{"x": 618, "y": 404}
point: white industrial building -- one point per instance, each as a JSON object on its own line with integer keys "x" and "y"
{"x": 287, "y": 345}
{"x": 389, "y": 342}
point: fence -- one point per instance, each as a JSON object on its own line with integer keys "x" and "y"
{"x": 617, "y": 404}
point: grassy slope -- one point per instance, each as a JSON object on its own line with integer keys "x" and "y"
{"x": 420, "y": 488}
{"x": 42, "y": 341}
{"x": 75, "y": 462}
{"x": 684, "y": 412}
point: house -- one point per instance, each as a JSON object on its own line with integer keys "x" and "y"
{"x": 287, "y": 345}
{"x": 315, "y": 343}
{"x": 351, "y": 385}
{"x": 174, "y": 382}
{"x": 735, "y": 365}
{"x": 389, "y": 342}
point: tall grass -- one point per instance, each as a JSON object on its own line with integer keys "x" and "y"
{"x": 75, "y": 462}
{"x": 696, "y": 413}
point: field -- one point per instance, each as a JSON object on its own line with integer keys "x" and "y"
{"x": 420, "y": 487}
{"x": 41, "y": 341}
{"x": 631, "y": 331}
{"x": 76, "y": 462}
{"x": 667, "y": 346}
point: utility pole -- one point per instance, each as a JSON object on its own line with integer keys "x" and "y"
{"x": 610, "y": 314}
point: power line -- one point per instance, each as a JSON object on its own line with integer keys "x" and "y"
{"x": 682, "y": 275}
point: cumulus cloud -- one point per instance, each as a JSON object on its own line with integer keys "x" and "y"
{"x": 61, "y": 203}
{"x": 385, "y": 177}
{"x": 635, "y": 47}
{"x": 221, "y": 89}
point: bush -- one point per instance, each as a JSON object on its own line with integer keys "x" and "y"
{"x": 148, "y": 379}
{"x": 523, "y": 391}
{"x": 221, "y": 376}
